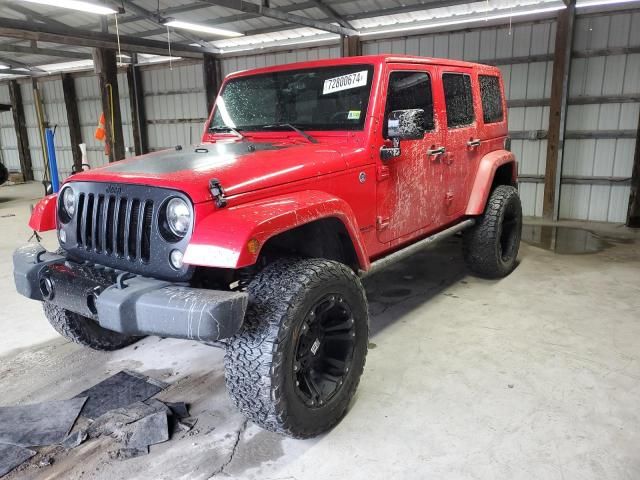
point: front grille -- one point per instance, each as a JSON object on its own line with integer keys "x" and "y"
{"x": 114, "y": 226}
{"x": 118, "y": 226}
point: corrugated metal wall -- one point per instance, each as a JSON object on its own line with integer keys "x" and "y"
{"x": 175, "y": 105}
{"x": 234, "y": 64}
{"x": 523, "y": 81}
{"x": 56, "y": 115}
{"x": 8, "y": 141}
{"x": 616, "y": 75}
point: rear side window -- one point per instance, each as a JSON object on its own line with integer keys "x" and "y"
{"x": 458, "y": 99}
{"x": 491, "y": 99}
{"x": 408, "y": 90}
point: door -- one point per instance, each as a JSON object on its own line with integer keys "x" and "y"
{"x": 407, "y": 183}
{"x": 461, "y": 138}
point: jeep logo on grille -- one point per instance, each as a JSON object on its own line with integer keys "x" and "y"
{"x": 114, "y": 190}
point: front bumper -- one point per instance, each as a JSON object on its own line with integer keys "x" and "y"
{"x": 126, "y": 303}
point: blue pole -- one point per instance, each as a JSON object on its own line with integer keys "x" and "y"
{"x": 53, "y": 163}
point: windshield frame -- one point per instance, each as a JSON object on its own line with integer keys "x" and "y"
{"x": 355, "y": 127}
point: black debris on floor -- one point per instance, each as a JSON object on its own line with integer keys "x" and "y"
{"x": 39, "y": 424}
{"x": 119, "y": 407}
{"x": 119, "y": 390}
{"x": 11, "y": 456}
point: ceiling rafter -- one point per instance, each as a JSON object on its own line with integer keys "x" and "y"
{"x": 332, "y": 14}
{"x": 51, "y": 52}
{"x": 269, "y": 12}
{"x": 88, "y": 38}
{"x": 160, "y": 20}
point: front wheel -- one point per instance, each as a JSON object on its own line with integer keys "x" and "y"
{"x": 297, "y": 362}
{"x": 491, "y": 245}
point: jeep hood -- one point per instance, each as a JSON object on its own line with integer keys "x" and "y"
{"x": 240, "y": 167}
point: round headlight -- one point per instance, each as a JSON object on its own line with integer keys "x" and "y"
{"x": 178, "y": 216}
{"x": 69, "y": 201}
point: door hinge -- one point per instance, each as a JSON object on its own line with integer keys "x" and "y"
{"x": 382, "y": 172}
{"x": 382, "y": 223}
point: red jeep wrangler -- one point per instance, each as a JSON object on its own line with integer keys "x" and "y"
{"x": 309, "y": 177}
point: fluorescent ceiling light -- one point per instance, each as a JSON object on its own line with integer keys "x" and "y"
{"x": 196, "y": 27}
{"x": 598, "y": 3}
{"x": 76, "y": 5}
{"x": 4, "y": 67}
{"x": 476, "y": 18}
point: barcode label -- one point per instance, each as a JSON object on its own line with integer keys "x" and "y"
{"x": 345, "y": 82}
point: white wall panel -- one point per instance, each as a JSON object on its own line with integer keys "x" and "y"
{"x": 8, "y": 140}
{"x": 610, "y": 75}
{"x": 175, "y": 105}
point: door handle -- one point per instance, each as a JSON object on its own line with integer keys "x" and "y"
{"x": 436, "y": 151}
{"x": 474, "y": 142}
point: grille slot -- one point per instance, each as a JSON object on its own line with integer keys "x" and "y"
{"x": 115, "y": 226}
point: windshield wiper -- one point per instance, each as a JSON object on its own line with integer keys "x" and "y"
{"x": 294, "y": 128}
{"x": 225, "y": 128}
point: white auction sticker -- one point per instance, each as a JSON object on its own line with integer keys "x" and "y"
{"x": 345, "y": 82}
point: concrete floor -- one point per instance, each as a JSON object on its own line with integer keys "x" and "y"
{"x": 536, "y": 376}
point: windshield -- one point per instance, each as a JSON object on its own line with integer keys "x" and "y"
{"x": 330, "y": 98}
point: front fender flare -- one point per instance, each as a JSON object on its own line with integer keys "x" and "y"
{"x": 221, "y": 239}
{"x": 43, "y": 217}
{"x": 484, "y": 179}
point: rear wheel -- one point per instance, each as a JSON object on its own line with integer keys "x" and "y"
{"x": 296, "y": 364}
{"x": 83, "y": 330}
{"x": 491, "y": 245}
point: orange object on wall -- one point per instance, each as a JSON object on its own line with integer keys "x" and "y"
{"x": 101, "y": 133}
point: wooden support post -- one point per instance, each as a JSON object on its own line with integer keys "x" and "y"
{"x": 73, "y": 119}
{"x": 212, "y": 79}
{"x": 20, "y": 125}
{"x": 633, "y": 213}
{"x": 558, "y": 111}
{"x": 138, "y": 112}
{"x": 351, "y": 46}
{"x": 104, "y": 60}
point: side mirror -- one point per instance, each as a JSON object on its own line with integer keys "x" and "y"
{"x": 403, "y": 125}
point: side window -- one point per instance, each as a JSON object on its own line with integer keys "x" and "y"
{"x": 409, "y": 90}
{"x": 491, "y": 98}
{"x": 458, "y": 99}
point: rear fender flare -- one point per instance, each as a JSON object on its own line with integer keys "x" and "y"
{"x": 485, "y": 174}
{"x": 221, "y": 239}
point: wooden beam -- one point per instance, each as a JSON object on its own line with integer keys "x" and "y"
{"x": 558, "y": 111}
{"x": 633, "y": 212}
{"x": 20, "y": 125}
{"x": 107, "y": 70}
{"x": 73, "y": 119}
{"x": 351, "y": 46}
{"x": 138, "y": 112}
{"x": 212, "y": 79}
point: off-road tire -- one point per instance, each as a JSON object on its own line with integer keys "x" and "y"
{"x": 83, "y": 330}
{"x": 259, "y": 360}
{"x": 491, "y": 246}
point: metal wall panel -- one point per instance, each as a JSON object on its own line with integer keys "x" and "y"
{"x": 56, "y": 117}
{"x": 8, "y": 140}
{"x": 89, "y": 110}
{"x": 175, "y": 105}
{"x": 607, "y": 75}
{"x": 33, "y": 131}
{"x": 235, "y": 64}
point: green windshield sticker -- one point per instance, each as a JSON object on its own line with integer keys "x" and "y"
{"x": 353, "y": 115}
